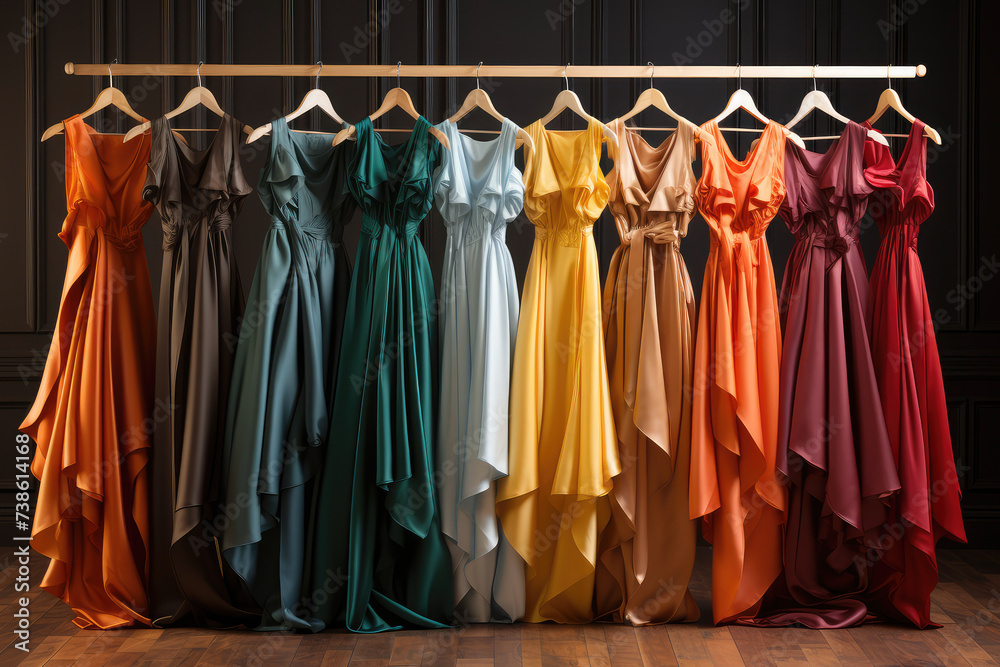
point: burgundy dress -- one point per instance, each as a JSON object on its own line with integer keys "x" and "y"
{"x": 909, "y": 375}
{"x": 833, "y": 447}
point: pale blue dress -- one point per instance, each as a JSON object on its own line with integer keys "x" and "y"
{"x": 478, "y": 190}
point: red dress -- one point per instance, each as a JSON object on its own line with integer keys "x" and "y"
{"x": 905, "y": 354}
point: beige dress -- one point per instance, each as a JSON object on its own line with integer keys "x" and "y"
{"x": 647, "y": 549}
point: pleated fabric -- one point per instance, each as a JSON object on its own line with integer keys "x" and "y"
{"x": 197, "y": 193}
{"x": 563, "y": 449}
{"x": 647, "y": 550}
{"x": 379, "y": 550}
{"x": 90, "y": 419}
{"x": 278, "y": 418}
{"x": 478, "y": 191}
{"x": 833, "y": 446}
{"x": 737, "y": 355}
{"x": 908, "y": 369}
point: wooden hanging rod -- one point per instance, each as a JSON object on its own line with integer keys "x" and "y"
{"x": 517, "y": 71}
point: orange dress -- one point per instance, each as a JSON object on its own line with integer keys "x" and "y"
{"x": 737, "y": 354}
{"x": 91, "y": 418}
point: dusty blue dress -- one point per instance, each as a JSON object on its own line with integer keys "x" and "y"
{"x": 478, "y": 191}
{"x": 283, "y": 380}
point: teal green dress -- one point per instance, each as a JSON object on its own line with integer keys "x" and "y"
{"x": 284, "y": 373}
{"x": 381, "y": 559}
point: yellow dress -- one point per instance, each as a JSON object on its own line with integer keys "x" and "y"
{"x": 563, "y": 449}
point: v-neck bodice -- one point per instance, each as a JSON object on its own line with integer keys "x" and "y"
{"x": 105, "y": 174}
{"x": 652, "y": 188}
{"x": 826, "y": 193}
{"x": 741, "y": 196}
{"x": 902, "y": 187}
{"x": 478, "y": 188}
{"x": 190, "y": 186}
{"x": 393, "y": 184}
{"x": 303, "y": 184}
{"x": 564, "y": 188}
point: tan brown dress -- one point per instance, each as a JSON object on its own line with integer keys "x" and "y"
{"x": 647, "y": 549}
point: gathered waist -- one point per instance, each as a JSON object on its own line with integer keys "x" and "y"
{"x": 565, "y": 236}
{"x": 661, "y": 234}
{"x": 314, "y": 233}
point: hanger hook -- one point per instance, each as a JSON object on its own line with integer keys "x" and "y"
{"x": 198, "y": 72}
{"x": 477, "y": 73}
{"x": 111, "y": 81}
{"x": 320, "y": 63}
{"x": 566, "y": 78}
{"x": 398, "y": 63}
{"x": 651, "y": 73}
{"x": 739, "y": 76}
{"x": 815, "y": 67}
{"x": 887, "y": 77}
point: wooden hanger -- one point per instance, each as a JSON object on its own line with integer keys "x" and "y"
{"x": 109, "y": 97}
{"x": 198, "y": 95}
{"x": 651, "y": 97}
{"x": 397, "y": 97}
{"x": 889, "y": 99}
{"x": 567, "y": 99}
{"x": 818, "y": 100}
{"x": 480, "y": 99}
{"x": 314, "y": 99}
{"x": 741, "y": 99}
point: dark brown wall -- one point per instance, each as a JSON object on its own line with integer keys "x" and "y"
{"x": 953, "y": 38}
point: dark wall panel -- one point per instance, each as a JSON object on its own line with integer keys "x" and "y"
{"x": 959, "y": 252}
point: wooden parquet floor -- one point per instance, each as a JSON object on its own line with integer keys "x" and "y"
{"x": 967, "y": 603}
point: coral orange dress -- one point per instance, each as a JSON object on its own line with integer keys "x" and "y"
{"x": 737, "y": 355}
{"x": 563, "y": 450}
{"x": 90, "y": 419}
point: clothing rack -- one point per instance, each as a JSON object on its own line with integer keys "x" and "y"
{"x": 513, "y": 71}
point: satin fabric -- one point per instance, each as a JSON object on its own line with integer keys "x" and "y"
{"x": 647, "y": 550}
{"x": 563, "y": 450}
{"x": 737, "y": 356}
{"x": 278, "y": 418}
{"x": 478, "y": 191}
{"x": 379, "y": 550}
{"x": 91, "y": 416}
{"x": 908, "y": 369}
{"x": 833, "y": 446}
{"x": 197, "y": 193}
